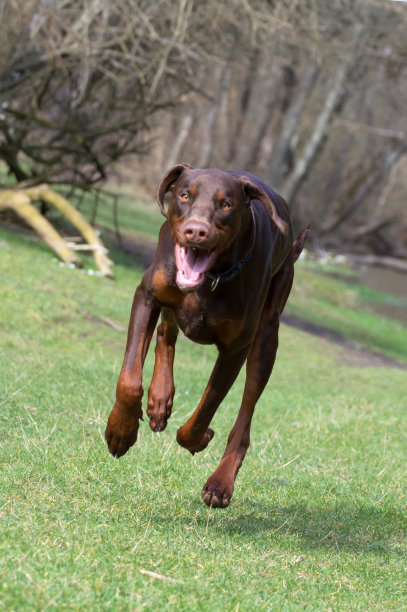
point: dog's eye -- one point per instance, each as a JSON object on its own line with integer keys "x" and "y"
{"x": 184, "y": 197}
{"x": 225, "y": 205}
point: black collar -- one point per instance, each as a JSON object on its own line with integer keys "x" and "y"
{"x": 228, "y": 275}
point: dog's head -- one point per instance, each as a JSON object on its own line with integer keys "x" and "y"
{"x": 205, "y": 213}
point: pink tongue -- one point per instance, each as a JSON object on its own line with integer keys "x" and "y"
{"x": 191, "y": 264}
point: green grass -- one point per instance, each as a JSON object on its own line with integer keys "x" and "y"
{"x": 318, "y": 520}
{"x": 346, "y": 307}
{"x": 137, "y": 214}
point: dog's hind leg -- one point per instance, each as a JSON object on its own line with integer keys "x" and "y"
{"x": 161, "y": 391}
{"x": 195, "y": 434}
{"x": 218, "y": 490}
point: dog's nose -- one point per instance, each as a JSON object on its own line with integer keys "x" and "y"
{"x": 196, "y": 231}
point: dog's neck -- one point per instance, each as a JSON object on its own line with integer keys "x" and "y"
{"x": 228, "y": 273}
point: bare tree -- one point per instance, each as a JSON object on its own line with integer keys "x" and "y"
{"x": 307, "y": 94}
{"x": 313, "y": 103}
{"x": 82, "y": 81}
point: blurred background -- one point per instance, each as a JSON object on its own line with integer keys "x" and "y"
{"x": 309, "y": 95}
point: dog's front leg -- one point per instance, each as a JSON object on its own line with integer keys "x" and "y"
{"x": 195, "y": 434}
{"x": 123, "y": 422}
{"x": 161, "y": 391}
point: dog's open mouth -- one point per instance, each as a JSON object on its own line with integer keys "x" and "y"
{"x": 192, "y": 265}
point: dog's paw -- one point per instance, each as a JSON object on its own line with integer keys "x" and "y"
{"x": 159, "y": 408}
{"x": 216, "y": 496}
{"x": 194, "y": 446}
{"x": 121, "y": 430}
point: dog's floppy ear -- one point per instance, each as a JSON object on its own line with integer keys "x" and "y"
{"x": 168, "y": 181}
{"x": 253, "y": 192}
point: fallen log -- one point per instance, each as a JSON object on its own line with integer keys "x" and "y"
{"x": 21, "y": 205}
{"x": 19, "y": 200}
{"x": 394, "y": 263}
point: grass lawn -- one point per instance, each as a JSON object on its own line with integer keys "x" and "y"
{"x": 318, "y": 520}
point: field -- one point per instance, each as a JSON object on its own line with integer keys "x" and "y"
{"x": 318, "y": 520}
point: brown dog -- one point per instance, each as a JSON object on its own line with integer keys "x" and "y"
{"x": 222, "y": 272}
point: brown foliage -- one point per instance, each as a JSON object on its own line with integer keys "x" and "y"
{"x": 305, "y": 94}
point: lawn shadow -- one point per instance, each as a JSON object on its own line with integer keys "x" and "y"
{"x": 373, "y": 529}
{"x": 369, "y": 528}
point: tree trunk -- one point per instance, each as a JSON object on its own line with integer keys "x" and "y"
{"x": 20, "y": 202}
{"x": 21, "y": 205}
{"x": 261, "y": 116}
{"x": 208, "y": 131}
{"x": 283, "y": 149}
{"x": 373, "y": 179}
{"x": 246, "y": 89}
{"x": 42, "y": 192}
{"x": 175, "y": 153}
{"x": 385, "y": 262}
{"x": 312, "y": 146}
{"x": 179, "y": 142}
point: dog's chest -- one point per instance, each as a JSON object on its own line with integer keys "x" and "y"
{"x": 208, "y": 323}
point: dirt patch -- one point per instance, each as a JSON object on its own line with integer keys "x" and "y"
{"x": 363, "y": 358}
{"x": 352, "y": 354}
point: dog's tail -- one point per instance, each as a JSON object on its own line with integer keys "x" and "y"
{"x": 298, "y": 243}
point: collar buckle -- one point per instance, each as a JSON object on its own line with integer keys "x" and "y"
{"x": 215, "y": 282}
